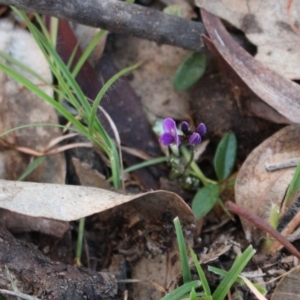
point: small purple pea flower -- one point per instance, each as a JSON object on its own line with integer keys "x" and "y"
{"x": 201, "y": 129}
{"x": 170, "y": 135}
{"x": 195, "y": 138}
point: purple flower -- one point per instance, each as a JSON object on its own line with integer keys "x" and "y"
{"x": 191, "y": 137}
{"x": 195, "y": 138}
{"x": 201, "y": 129}
{"x": 185, "y": 127}
{"x": 170, "y": 135}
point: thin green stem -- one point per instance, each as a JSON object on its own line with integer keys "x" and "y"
{"x": 80, "y": 240}
{"x": 227, "y": 212}
{"x": 190, "y": 160}
{"x": 195, "y": 168}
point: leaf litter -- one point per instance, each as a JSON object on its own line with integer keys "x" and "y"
{"x": 141, "y": 222}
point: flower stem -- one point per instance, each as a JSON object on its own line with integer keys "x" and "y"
{"x": 194, "y": 167}
{"x": 190, "y": 160}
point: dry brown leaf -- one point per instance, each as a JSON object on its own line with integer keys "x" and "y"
{"x": 89, "y": 177}
{"x": 257, "y": 189}
{"x": 68, "y": 203}
{"x": 277, "y": 91}
{"x": 267, "y": 25}
{"x": 152, "y": 81}
{"x": 288, "y": 287}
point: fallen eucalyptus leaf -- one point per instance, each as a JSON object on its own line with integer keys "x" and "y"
{"x": 277, "y": 91}
{"x": 268, "y": 25}
{"x": 259, "y": 190}
{"x": 68, "y": 203}
{"x": 288, "y": 287}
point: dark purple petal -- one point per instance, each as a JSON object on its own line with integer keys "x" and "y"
{"x": 194, "y": 139}
{"x": 201, "y": 129}
{"x": 167, "y": 139}
{"x": 185, "y": 127}
{"x": 169, "y": 125}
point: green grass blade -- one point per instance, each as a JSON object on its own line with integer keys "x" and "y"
{"x": 186, "y": 272}
{"x": 232, "y": 275}
{"x": 87, "y": 52}
{"x": 44, "y": 29}
{"x": 58, "y": 67}
{"x": 36, "y": 90}
{"x": 80, "y": 240}
{"x": 147, "y": 163}
{"x": 72, "y": 56}
{"x": 201, "y": 274}
{"x": 294, "y": 186}
{"x": 54, "y": 22}
{"x": 32, "y": 125}
{"x": 178, "y": 293}
{"x": 193, "y": 294}
{"x": 23, "y": 67}
{"x": 31, "y": 167}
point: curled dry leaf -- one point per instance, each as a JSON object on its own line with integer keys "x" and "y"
{"x": 143, "y": 222}
{"x": 68, "y": 203}
{"x": 277, "y": 91}
{"x": 288, "y": 287}
{"x": 267, "y": 24}
{"x": 260, "y": 191}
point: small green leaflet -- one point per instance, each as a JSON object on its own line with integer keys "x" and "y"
{"x": 190, "y": 71}
{"x": 205, "y": 199}
{"x": 225, "y": 156}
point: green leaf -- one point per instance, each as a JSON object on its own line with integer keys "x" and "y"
{"x": 232, "y": 275}
{"x": 293, "y": 187}
{"x": 205, "y": 199}
{"x": 225, "y": 156}
{"x": 201, "y": 274}
{"x": 190, "y": 71}
{"x": 186, "y": 272}
{"x": 193, "y": 294}
{"x": 182, "y": 290}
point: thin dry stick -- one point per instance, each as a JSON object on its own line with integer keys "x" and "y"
{"x": 17, "y": 294}
{"x": 293, "y": 162}
{"x": 263, "y": 225}
{"x": 121, "y": 17}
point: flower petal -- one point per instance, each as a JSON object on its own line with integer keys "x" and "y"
{"x": 201, "y": 129}
{"x": 194, "y": 139}
{"x": 169, "y": 125}
{"x": 167, "y": 139}
{"x": 185, "y": 127}
{"x": 177, "y": 139}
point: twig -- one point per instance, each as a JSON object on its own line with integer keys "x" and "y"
{"x": 263, "y": 225}
{"x": 17, "y": 294}
{"x": 121, "y": 17}
{"x": 282, "y": 165}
